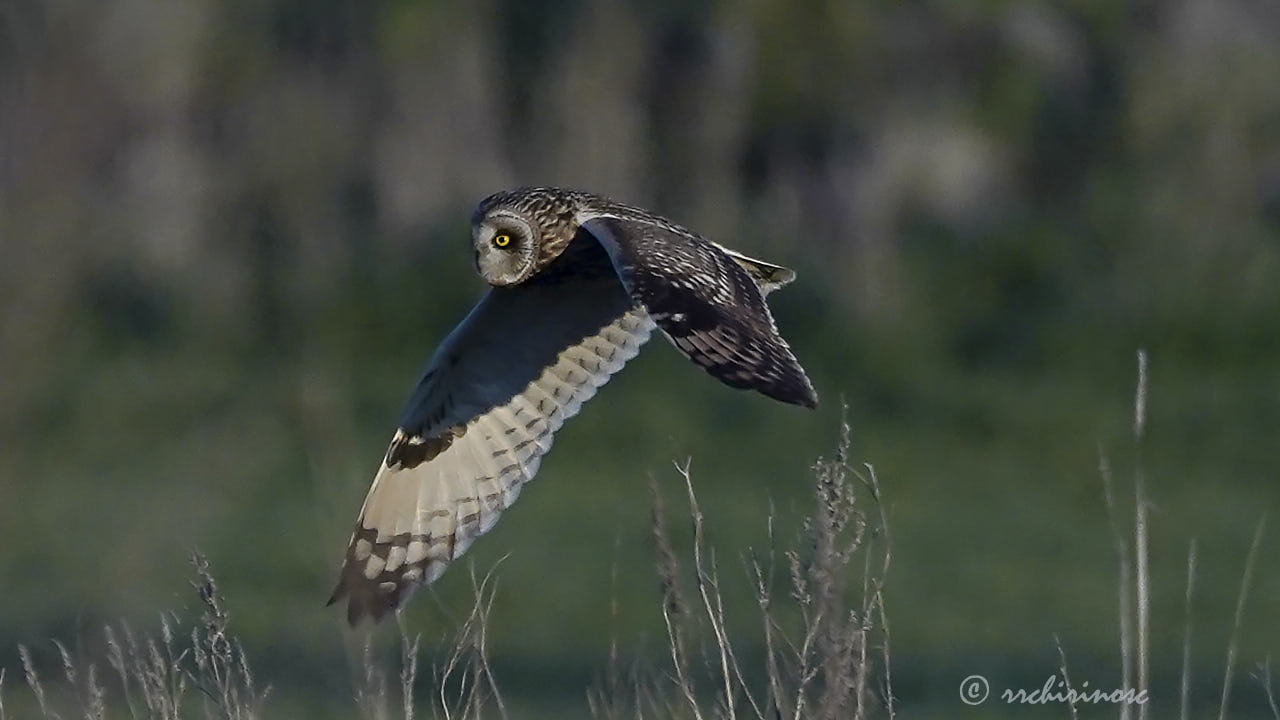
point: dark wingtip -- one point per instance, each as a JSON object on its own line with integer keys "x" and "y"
{"x": 792, "y": 390}
{"x": 795, "y": 388}
{"x": 363, "y": 602}
{"x": 810, "y": 396}
{"x": 339, "y": 590}
{"x": 804, "y": 397}
{"x": 358, "y": 608}
{"x": 355, "y": 608}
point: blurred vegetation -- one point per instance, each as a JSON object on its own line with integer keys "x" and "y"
{"x": 231, "y": 233}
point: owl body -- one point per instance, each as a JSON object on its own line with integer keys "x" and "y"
{"x": 578, "y": 284}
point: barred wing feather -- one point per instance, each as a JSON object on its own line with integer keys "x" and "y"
{"x": 484, "y": 414}
{"x": 709, "y": 301}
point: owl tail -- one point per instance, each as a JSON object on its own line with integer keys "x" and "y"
{"x": 768, "y": 277}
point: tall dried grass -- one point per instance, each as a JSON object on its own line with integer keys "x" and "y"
{"x": 821, "y": 612}
{"x": 823, "y": 623}
{"x": 155, "y": 673}
{"x": 1134, "y": 586}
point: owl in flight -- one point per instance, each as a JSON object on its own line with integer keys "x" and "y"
{"x": 578, "y": 284}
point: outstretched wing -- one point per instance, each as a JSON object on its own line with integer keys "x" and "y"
{"x": 476, "y": 428}
{"x": 709, "y": 303}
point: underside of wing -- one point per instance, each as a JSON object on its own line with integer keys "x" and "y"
{"x": 469, "y": 442}
{"x": 709, "y": 302}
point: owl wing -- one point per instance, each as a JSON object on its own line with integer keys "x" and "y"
{"x": 709, "y": 301}
{"x": 475, "y": 430}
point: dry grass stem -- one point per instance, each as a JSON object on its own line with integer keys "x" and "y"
{"x": 823, "y": 662}
{"x": 1246, "y": 581}
{"x": 89, "y": 694}
{"x": 1125, "y": 570}
{"x": 1141, "y": 537}
{"x": 713, "y": 606}
{"x": 1066, "y": 677}
{"x": 464, "y": 680}
{"x": 33, "y": 679}
{"x": 154, "y": 673}
{"x": 872, "y": 483}
{"x": 408, "y": 665}
{"x": 371, "y": 692}
{"x": 1140, "y": 398}
{"x": 1185, "y": 689}
{"x": 1262, "y": 674}
{"x": 463, "y": 683}
{"x": 222, "y": 670}
{"x": 1142, "y": 583}
{"x": 674, "y": 608}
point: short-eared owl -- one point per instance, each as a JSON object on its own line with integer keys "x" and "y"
{"x": 578, "y": 283}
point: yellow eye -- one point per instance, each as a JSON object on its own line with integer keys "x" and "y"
{"x": 502, "y": 240}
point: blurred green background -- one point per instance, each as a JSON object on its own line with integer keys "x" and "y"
{"x": 232, "y": 232}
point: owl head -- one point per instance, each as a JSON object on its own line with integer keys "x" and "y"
{"x": 506, "y": 245}
{"x": 519, "y": 232}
